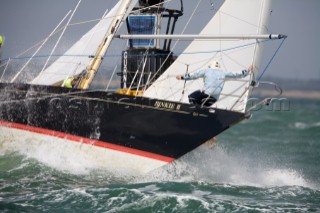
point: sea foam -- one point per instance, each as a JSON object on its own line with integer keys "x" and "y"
{"x": 216, "y": 165}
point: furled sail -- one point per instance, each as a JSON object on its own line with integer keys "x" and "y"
{"x": 76, "y": 59}
{"x": 233, "y": 18}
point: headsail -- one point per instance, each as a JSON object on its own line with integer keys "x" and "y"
{"x": 76, "y": 59}
{"x": 233, "y": 18}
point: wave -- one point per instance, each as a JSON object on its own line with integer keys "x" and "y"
{"x": 303, "y": 126}
{"x": 59, "y": 156}
{"x": 218, "y": 166}
{"x": 210, "y": 165}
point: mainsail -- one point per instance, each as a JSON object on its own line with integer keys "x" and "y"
{"x": 233, "y": 18}
{"x": 77, "y": 58}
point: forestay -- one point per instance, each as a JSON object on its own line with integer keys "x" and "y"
{"x": 233, "y": 18}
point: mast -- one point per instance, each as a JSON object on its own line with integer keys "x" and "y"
{"x": 95, "y": 63}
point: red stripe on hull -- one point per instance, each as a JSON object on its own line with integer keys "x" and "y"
{"x": 85, "y": 140}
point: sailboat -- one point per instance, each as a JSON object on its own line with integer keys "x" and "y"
{"x": 148, "y": 121}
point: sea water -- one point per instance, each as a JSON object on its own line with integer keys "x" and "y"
{"x": 270, "y": 163}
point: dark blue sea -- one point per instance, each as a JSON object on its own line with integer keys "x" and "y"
{"x": 270, "y": 163}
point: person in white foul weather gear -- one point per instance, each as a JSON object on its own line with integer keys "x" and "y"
{"x": 213, "y": 78}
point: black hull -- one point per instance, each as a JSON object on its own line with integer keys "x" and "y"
{"x": 164, "y": 128}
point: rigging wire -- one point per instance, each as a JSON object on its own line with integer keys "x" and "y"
{"x": 142, "y": 54}
{"x": 4, "y": 71}
{"x": 42, "y": 44}
{"x": 267, "y": 101}
{"x": 270, "y": 61}
{"x": 114, "y": 71}
{"x": 62, "y": 33}
{"x": 117, "y": 55}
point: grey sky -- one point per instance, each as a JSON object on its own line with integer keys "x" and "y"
{"x": 26, "y": 22}
{"x": 299, "y": 57}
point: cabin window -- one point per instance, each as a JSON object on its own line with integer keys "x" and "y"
{"x": 142, "y": 24}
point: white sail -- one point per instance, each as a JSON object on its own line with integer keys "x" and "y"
{"x": 77, "y": 57}
{"x": 235, "y": 17}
